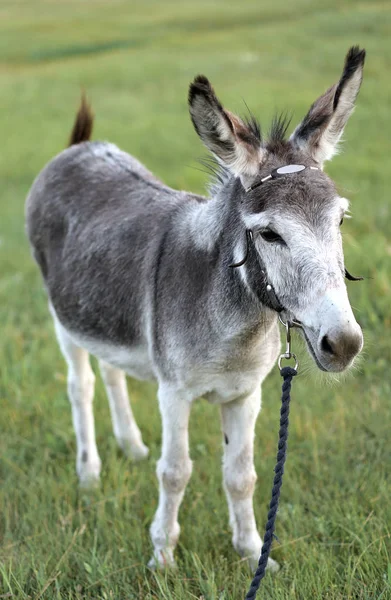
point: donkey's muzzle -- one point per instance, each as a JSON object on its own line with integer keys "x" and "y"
{"x": 332, "y": 333}
{"x": 337, "y": 350}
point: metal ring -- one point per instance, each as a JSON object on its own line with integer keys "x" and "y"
{"x": 291, "y": 324}
{"x": 288, "y": 357}
{"x": 282, "y": 321}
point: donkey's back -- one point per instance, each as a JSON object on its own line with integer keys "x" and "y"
{"x": 95, "y": 219}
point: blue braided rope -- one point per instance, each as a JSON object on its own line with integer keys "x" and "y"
{"x": 287, "y": 373}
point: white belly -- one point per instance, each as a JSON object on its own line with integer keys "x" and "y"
{"x": 134, "y": 361}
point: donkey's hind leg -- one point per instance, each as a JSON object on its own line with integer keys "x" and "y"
{"x": 125, "y": 427}
{"x": 81, "y": 381}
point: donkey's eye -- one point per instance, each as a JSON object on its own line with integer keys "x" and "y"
{"x": 271, "y": 236}
{"x": 341, "y": 221}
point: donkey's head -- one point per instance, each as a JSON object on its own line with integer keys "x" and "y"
{"x": 294, "y": 215}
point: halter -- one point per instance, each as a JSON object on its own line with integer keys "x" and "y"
{"x": 271, "y": 297}
{"x": 280, "y": 172}
{"x": 267, "y": 295}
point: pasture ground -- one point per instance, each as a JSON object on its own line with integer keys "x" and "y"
{"x": 135, "y": 59}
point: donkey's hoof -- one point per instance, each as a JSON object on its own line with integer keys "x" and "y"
{"x": 133, "y": 451}
{"x": 88, "y": 472}
{"x": 272, "y": 565}
{"x": 140, "y": 452}
{"x": 163, "y": 559}
{"x": 89, "y": 482}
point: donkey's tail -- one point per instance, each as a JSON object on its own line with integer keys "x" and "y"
{"x": 82, "y": 127}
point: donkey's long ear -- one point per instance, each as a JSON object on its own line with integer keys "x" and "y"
{"x": 322, "y": 127}
{"x": 233, "y": 142}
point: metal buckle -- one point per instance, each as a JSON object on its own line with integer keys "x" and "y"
{"x": 287, "y": 355}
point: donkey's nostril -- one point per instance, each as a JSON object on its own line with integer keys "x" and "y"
{"x": 326, "y": 346}
{"x": 341, "y": 349}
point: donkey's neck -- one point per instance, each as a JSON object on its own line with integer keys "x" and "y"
{"x": 204, "y": 223}
{"x": 215, "y": 222}
{"x": 216, "y": 234}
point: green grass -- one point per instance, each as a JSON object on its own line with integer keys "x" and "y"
{"x": 136, "y": 60}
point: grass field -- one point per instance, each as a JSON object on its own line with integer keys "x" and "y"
{"x": 135, "y": 59}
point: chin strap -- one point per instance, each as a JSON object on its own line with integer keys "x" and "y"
{"x": 266, "y": 293}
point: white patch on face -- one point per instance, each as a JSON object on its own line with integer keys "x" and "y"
{"x": 312, "y": 260}
{"x": 307, "y": 276}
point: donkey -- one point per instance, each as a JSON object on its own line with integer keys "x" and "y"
{"x": 141, "y": 276}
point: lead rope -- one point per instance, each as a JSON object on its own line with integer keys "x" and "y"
{"x": 287, "y": 373}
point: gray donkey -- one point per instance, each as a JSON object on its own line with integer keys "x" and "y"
{"x": 142, "y": 276}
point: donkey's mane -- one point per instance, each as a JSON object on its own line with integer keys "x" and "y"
{"x": 253, "y": 124}
{"x": 278, "y": 128}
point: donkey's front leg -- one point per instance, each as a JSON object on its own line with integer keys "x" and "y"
{"x": 238, "y": 421}
{"x": 173, "y": 470}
